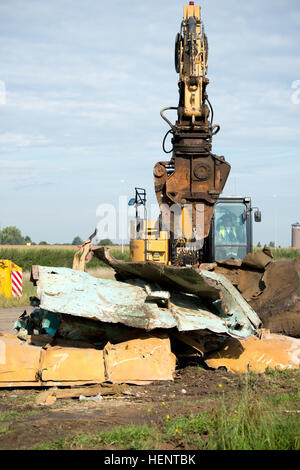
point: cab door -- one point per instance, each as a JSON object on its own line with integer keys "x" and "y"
{"x": 231, "y": 234}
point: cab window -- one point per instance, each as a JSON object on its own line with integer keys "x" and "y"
{"x": 230, "y": 231}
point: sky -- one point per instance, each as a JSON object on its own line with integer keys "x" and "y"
{"x": 82, "y": 83}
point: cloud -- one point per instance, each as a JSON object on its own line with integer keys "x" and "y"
{"x": 21, "y": 140}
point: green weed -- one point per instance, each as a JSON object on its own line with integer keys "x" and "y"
{"x": 4, "y": 429}
{"x": 14, "y": 414}
{"x": 282, "y": 253}
{"x": 132, "y": 437}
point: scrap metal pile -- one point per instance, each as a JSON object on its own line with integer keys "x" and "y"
{"x": 87, "y": 330}
{"x": 271, "y": 288}
{"x": 134, "y": 329}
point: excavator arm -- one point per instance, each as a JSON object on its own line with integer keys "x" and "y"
{"x": 192, "y": 180}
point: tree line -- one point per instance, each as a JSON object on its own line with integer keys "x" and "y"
{"x": 13, "y": 236}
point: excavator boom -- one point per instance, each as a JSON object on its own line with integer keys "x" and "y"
{"x": 194, "y": 177}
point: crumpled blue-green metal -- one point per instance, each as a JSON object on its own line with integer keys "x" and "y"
{"x": 143, "y": 305}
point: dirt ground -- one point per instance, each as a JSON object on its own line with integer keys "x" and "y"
{"x": 194, "y": 390}
{"x": 68, "y": 417}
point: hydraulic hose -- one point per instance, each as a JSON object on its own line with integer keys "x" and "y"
{"x": 170, "y": 131}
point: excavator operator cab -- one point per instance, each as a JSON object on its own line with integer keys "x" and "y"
{"x": 230, "y": 235}
{"x": 231, "y": 228}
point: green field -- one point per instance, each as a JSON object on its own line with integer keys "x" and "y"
{"x": 283, "y": 253}
{"x": 25, "y": 257}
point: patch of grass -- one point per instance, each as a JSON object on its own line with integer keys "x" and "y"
{"x": 55, "y": 445}
{"x": 6, "y": 418}
{"x": 193, "y": 429}
{"x": 131, "y": 437}
{"x": 255, "y": 429}
{"x": 278, "y": 373}
{"x": 10, "y": 415}
{"x": 4, "y": 429}
{"x": 29, "y": 290}
{"x": 286, "y": 399}
{"x": 282, "y": 253}
{"x": 254, "y": 424}
{"x": 27, "y": 398}
{"x": 118, "y": 254}
{"x": 7, "y": 415}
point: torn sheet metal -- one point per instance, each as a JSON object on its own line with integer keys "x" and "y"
{"x": 247, "y": 274}
{"x": 76, "y": 293}
{"x": 142, "y": 305}
{"x": 84, "y": 254}
{"x": 250, "y": 283}
{"x": 257, "y": 354}
{"x": 259, "y": 260}
{"x": 136, "y": 361}
{"x": 279, "y": 303}
{"x": 211, "y": 287}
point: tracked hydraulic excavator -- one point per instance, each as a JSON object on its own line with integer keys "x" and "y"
{"x": 189, "y": 185}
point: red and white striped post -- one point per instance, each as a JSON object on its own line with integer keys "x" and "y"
{"x": 16, "y": 283}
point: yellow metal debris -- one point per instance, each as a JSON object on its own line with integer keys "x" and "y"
{"x": 140, "y": 359}
{"x": 135, "y": 361}
{"x": 271, "y": 351}
{"x": 19, "y": 361}
{"x": 60, "y": 364}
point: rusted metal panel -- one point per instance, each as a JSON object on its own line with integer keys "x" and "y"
{"x": 250, "y": 283}
{"x": 197, "y": 178}
{"x": 258, "y": 260}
